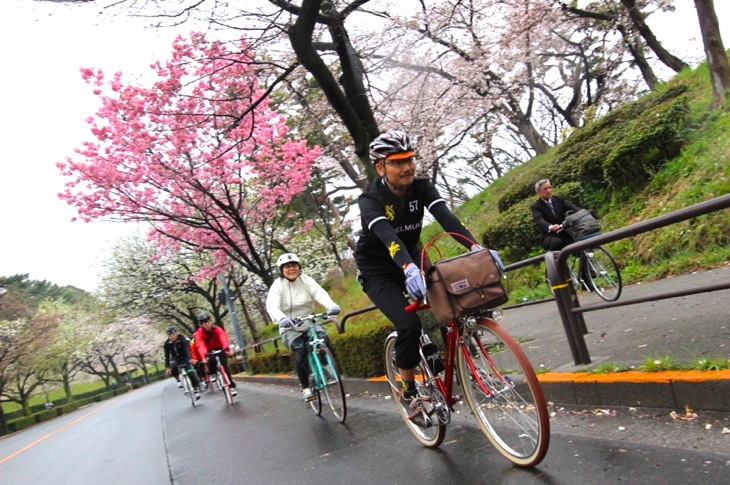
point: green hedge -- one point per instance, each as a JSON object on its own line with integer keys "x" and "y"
{"x": 23, "y": 422}
{"x": 615, "y": 154}
{"x": 624, "y": 147}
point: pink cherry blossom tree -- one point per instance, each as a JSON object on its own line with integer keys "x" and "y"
{"x": 199, "y": 154}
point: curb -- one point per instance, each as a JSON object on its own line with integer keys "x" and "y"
{"x": 706, "y": 391}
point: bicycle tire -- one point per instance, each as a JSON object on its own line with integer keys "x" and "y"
{"x": 188, "y": 386}
{"x": 430, "y": 437}
{"x": 504, "y": 394}
{"x": 225, "y": 386}
{"x": 603, "y": 274}
{"x": 228, "y": 393}
{"x": 335, "y": 391}
{"x": 316, "y": 403}
{"x": 573, "y": 266}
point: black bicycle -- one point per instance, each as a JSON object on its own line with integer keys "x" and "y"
{"x": 187, "y": 382}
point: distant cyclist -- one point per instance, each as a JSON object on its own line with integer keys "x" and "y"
{"x": 177, "y": 353}
{"x": 293, "y": 295}
{"x": 211, "y": 337}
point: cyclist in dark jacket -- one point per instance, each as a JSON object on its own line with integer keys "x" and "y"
{"x": 548, "y": 213}
{"x": 388, "y": 250}
{"x": 177, "y": 353}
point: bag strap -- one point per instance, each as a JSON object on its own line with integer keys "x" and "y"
{"x": 431, "y": 244}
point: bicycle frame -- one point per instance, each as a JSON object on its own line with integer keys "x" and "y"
{"x": 315, "y": 365}
{"x": 453, "y": 342}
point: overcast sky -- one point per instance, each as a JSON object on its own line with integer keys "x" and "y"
{"x": 45, "y": 102}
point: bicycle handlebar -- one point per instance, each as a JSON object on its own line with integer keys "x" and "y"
{"x": 418, "y": 305}
{"x": 324, "y": 316}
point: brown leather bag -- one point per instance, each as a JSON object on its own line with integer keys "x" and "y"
{"x": 463, "y": 284}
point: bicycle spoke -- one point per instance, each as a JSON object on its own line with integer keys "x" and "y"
{"x": 504, "y": 393}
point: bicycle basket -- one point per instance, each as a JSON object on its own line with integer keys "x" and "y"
{"x": 463, "y": 284}
{"x": 581, "y": 225}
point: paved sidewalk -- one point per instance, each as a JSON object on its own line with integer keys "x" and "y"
{"x": 685, "y": 329}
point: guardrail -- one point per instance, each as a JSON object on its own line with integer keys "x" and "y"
{"x": 571, "y": 312}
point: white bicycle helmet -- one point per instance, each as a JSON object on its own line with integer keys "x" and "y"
{"x": 287, "y": 258}
{"x": 390, "y": 143}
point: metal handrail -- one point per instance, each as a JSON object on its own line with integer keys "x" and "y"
{"x": 571, "y": 312}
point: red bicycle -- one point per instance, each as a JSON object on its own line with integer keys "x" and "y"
{"x": 496, "y": 378}
{"x": 219, "y": 375}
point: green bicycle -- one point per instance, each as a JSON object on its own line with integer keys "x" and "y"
{"x": 324, "y": 374}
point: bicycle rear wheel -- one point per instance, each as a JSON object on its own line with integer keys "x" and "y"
{"x": 603, "y": 274}
{"x": 430, "y": 436}
{"x": 504, "y": 394}
{"x": 333, "y": 389}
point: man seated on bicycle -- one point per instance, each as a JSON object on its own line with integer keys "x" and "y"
{"x": 388, "y": 250}
{"x": 177, "y": 353}
{"x": 209, "y": 337}
{"x": 293, "y": 295}
{"x": 548, "y": 212}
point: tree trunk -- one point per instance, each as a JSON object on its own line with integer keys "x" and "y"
{"x": 246, "y": 315}
{"x": 637, "y": 18}
{"x": 714, "y": 50}
{"x": 352, "y": 105}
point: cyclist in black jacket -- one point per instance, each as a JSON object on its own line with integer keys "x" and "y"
{"x": 177, "y": 353}
{"x": 388, "y": 250}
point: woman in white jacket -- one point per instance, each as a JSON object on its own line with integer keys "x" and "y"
{"x": 293, "y": 295}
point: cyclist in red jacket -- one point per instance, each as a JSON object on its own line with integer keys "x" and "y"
{"x": 210, "y": 337}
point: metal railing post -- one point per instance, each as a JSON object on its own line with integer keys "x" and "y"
{"x": 566, "y": 298}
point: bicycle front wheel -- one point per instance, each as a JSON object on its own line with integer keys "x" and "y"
{"x": 225, "y": 386}
{"x": 430, "y": 436}
{"x": 316, "y": 402}
{"x": 188, "y": 386}
{"x": 333, "y": 389}
{"x": 603, "y": 274}
{"x": 503, "y": 393}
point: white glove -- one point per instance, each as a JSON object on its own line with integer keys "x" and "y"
{"x": 334, "y": 310}
{"x": 495, "y": 256}
{"x": 414, "y": 282}
{"x": 286, "y": 322}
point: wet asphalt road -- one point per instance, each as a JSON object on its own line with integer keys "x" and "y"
{"x": 153, "y": 436}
